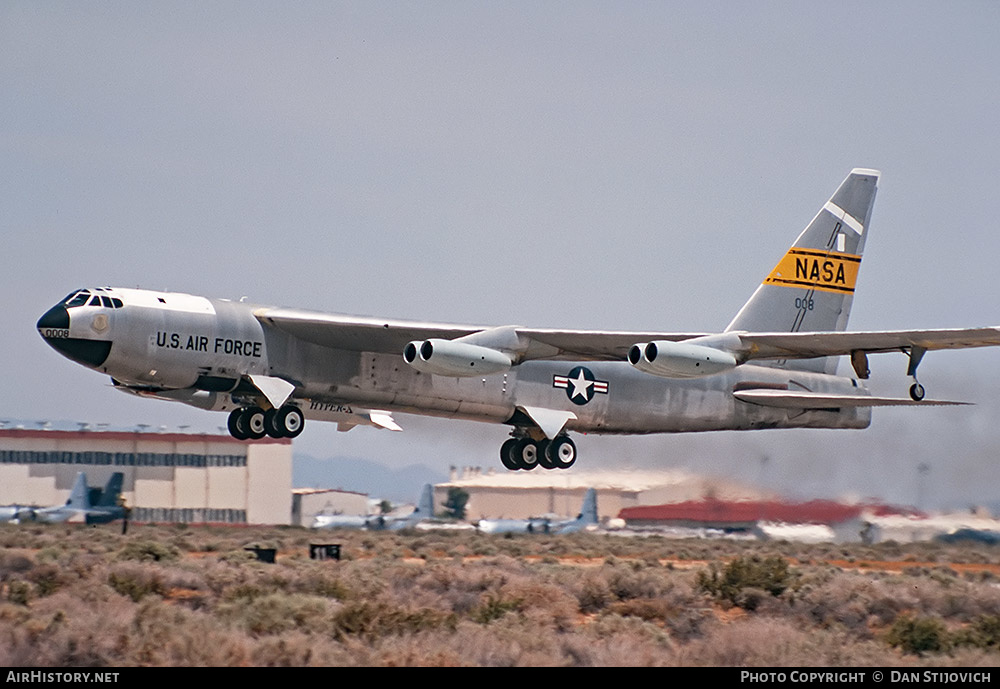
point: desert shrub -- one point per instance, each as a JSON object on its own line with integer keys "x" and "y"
{"x": 761, "y": 641}
{"x": 148, "y": 551}
{"x": 733, "y": 583}
{"x": 20, "y": 591}
{"x": 493, "y": 606}
{"x": 372, "y": 619}
{"x": 275, "y": 613}
{"x": 983, "y": 632}
{"x": 850, "y": 600}
{"x": 634, "y": 580}
{"x": 648, "y": 609}
{"x": 321, "y": 584}
{"x": 918, "y": 635}
{"x": 13, "y": 563}
{"x": 630, "y": 627}
{"x": 165, "y": 635}
{"x": 47, "y": 579}
{"x": 136, "y": 582}
{"x": 594, "y": 594}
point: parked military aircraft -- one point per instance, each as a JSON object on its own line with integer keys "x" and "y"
{"x": 378, "y": 522}
{"x": 17, "y": 513}
{"x": 79, "y": 508}
{"x": 774, "y": 366}
{"x": 586, "y": 519}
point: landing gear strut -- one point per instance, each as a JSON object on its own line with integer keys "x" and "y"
{"x": 917, "y": 391}
{"x": 253, "y": 423}
{"x": 525, "y": 453}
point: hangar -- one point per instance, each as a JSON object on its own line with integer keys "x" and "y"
{"x": 168, "y": 477}
{"x": 308, "y": 502}
{"x": 521, "y": 495}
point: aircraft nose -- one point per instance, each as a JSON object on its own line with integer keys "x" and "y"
{"x": 56, "y": 318}
{"x": 54, "y": 327}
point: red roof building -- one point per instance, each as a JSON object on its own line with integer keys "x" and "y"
{"x": 743, "y": 515}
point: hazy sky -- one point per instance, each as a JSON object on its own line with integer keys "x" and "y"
{"x": 459, "y": 161}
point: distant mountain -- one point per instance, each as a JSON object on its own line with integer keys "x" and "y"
{"x": 401, "y": 484}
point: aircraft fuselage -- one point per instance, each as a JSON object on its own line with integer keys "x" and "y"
{"x": 200, "y": 350}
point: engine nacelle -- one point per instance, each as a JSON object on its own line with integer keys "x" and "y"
{"x": 450, "y": 358}
{"x": 680, "y": 360}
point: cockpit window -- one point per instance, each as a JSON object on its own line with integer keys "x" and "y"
{"x": 78, "y": 299}
{"x": 84, "y": 297}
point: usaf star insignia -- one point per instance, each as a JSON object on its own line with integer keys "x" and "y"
{"x": 580, "y": 385}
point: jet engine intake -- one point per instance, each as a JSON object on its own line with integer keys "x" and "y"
{"x": 680, "y": 360}
{"x": 450, "y": 358}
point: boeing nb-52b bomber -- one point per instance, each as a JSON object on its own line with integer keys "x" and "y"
{"x": 272, "y": 368}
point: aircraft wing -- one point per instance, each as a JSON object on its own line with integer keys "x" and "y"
{"x": 388, "y": 336}
{"x": 807, "y": 345}
{"x": 358, "y": 333}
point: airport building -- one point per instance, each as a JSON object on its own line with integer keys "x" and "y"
{"x": 308, "y": 502}
{"x": 168, "y": 477}
{"x": 521, "y": 495}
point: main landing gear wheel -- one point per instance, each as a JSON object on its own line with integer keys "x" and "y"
{"x": 507, "y": 457}
{"x": 286, "y": 422}
{"x": 544, "y": 460}
{"x": 253, "y": 423}
{"x": 524, "y": 454}
{"x": 238, "y": 425}
{"x": 561, "y": 452}
{"x": 254, "y": 419}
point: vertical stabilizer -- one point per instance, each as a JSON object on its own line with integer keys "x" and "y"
{"x": 425, "y": 508}
{"x": 811, "y": 289}
{"x": 588, "y": 513}
{"x": 109, "y": 498}
{"x": 587, "y": 516}
{"x": 78, "y": 497}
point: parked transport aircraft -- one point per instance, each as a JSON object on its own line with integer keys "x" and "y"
{"x": 272, "y": 368}
{"x": 78, "y": 507}
{"x": 586, "y": 520}
{"x": 17, "y": 513}
{"x": 424, "y": 512}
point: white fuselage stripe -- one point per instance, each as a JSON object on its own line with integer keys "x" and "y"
{"x": 844, "y": 216}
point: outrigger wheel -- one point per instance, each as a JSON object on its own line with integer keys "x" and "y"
{"x": 917, "y": 391}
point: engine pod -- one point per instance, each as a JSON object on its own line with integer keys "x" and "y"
{"x": 459, "y": 359}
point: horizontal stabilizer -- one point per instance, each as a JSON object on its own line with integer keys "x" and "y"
{"x": 784, "y": 399}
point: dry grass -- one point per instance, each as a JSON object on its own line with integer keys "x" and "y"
{"x": 193, "y": 596}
